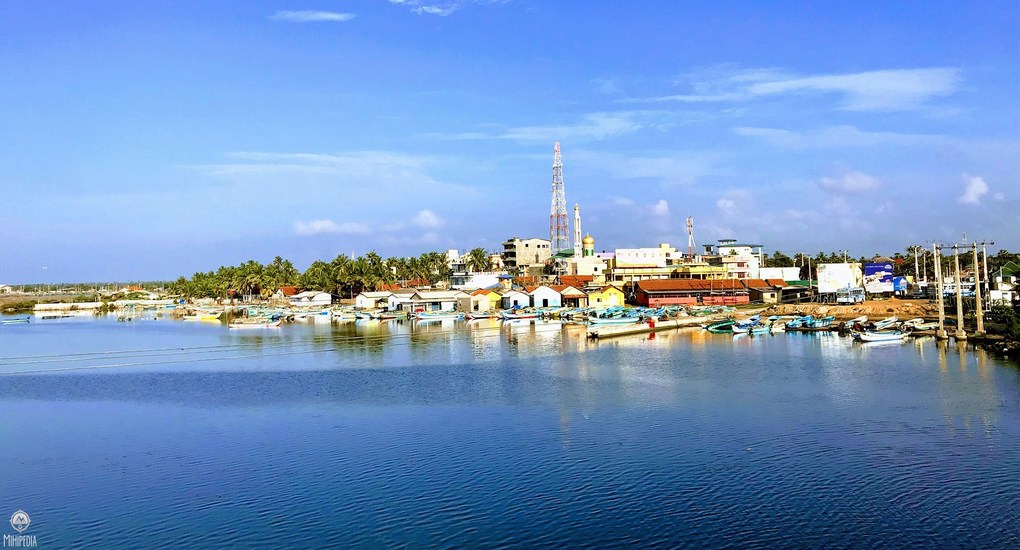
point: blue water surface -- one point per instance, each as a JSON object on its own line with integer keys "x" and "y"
{"x": 161, "y": 433}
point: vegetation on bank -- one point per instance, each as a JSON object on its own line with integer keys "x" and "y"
{"x": 343, "y": 275}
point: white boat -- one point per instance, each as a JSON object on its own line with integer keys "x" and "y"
{"x": 14, "y": 320}
{"x": 884, "y": 336}
{"x": 886, "y": 323}
{"x": 862, "y": 319}
{"x": 482, "y": 315}
{"x": 438, "y": 315}
{"x": 613, "y": 320}
{"x": 255, "y": 323}
{"x": 777, "y": 326}
{"x": 912, "y": 322}
{"x": 521, "y": 315}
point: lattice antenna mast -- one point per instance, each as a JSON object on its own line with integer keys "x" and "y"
{"x": 558, "y": 213}
{"x": 690, "y": 237}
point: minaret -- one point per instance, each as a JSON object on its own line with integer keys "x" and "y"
{"x": 577, "y": 231}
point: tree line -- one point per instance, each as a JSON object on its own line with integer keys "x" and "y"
{"x": 342, "y": 276}
{"x": 903, "y": 262}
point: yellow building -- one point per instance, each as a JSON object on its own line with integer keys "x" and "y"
{"x": 493, "y": 296}
{"x": 606, "y": 296}
{"x": 699, "y": 271}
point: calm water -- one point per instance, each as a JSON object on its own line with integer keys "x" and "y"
{"x": 166, "y": 433}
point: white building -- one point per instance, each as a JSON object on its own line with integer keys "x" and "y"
{"x": 515, "y": 298}
{"x": 471, "y": 281}
{"x": 520, "y": 253}
{"x": 784, "y": 273}
{"x": 742, "y": 261}
{"x": 6, "y": 289}
{"x": 543, "y": 296}
{"x": 372, "y": 300}
{"x": 427, "y": 300}
{"x": 311, "y": 298}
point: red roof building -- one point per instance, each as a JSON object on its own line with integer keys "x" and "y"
{"x": 663, "y": 292}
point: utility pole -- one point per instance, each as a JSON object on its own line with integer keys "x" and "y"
{"x": 917, "y": 275}
{"x": 978, "y": 304}
{"x": 960, "y": 334}
{"x": 940, "y": 334}
{"x": 988, "y": 282}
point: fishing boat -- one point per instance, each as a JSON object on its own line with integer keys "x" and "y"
{"x": 482, "y": 315}
{"x": 777, "y": 326}
{"x": 746, "y": 325}
{"x": 24, "y": 319}
{"x": 882, "y": 336}
{"x": 760, "y": 329}
{"x": 388, "y": 315}
{"x": 613, "y": 320}
{"x": 720, "y": 327}
{"x": 254, "y": 323}
{"x": 519, "y": 315}
{"x": 438, "y": 315}
{"x": 799, "y": 321}
{"x": 912, "y": 323}
{"x": 886, "y": 323}
{"x": 820, "y": 322}
{"x": 928, "y": 325}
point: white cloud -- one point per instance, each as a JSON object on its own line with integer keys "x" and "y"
{"x": 733, "y": 201}
{"x": 309, "y": 16}
{"x": 316, "y": 227}
{"x": 887, "y": 90}
{"x": 597, "y": 126}
{"x": 835, "y": 137}
{"x": 883, "y": 90}
{"x": 441, "y": 9}
{"x": 851, "y": 182}
{"x": 974, "y": 188}
{"x": 427, "y": 219}
{"x": 623, "y": 201}
{"x": 661, "y": 208}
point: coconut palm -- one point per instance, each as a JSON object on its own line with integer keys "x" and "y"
{"x": 478, "y": 260}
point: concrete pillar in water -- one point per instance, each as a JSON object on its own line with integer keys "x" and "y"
{"x": 978, "y": 305}
{"x": 960, "y": 334}
{"x": 940, "y": 333}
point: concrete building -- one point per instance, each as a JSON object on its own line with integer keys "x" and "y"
{"x": 471, "y": 281}
{"x": 742, "y": 261}
{"x": 372, "y": 300}
{"x": 656, "y": 293}
{"x": 428, "y": 300}
{"x": 522, "y": 253}
{"x": 544, "y": 296}
{"x": 606, "y": 296}
{"x": 515, "y": 298}
{"x": 638, "y": 264}
{"x": 570, "y": 296}
{"x": 784, "y": 273}
{"x": 311, "y": 298}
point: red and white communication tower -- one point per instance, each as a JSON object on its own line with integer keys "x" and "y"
{"x": 558, "y": 213}
{"x": 690, "y": 237}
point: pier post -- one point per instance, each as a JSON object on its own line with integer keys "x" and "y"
{"x": 978, "y": 304}
{"x": 940, "y": 334}
{"x": 960, "y": 334}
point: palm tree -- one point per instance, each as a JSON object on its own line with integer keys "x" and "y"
{"x": 478, "y": 260}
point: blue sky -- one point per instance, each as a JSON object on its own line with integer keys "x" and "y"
{"x": 151, "y": 140}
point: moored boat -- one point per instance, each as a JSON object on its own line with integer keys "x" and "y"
{"x": 881, "y": 336}
{"x": 254, "y": 323}
{"x": 438, "y": 315}
{"x": 886, "y": 323}
{"x": 23, "y": 319}
{"x": 820, "y": 322}
{"x": 721, "y": 327}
